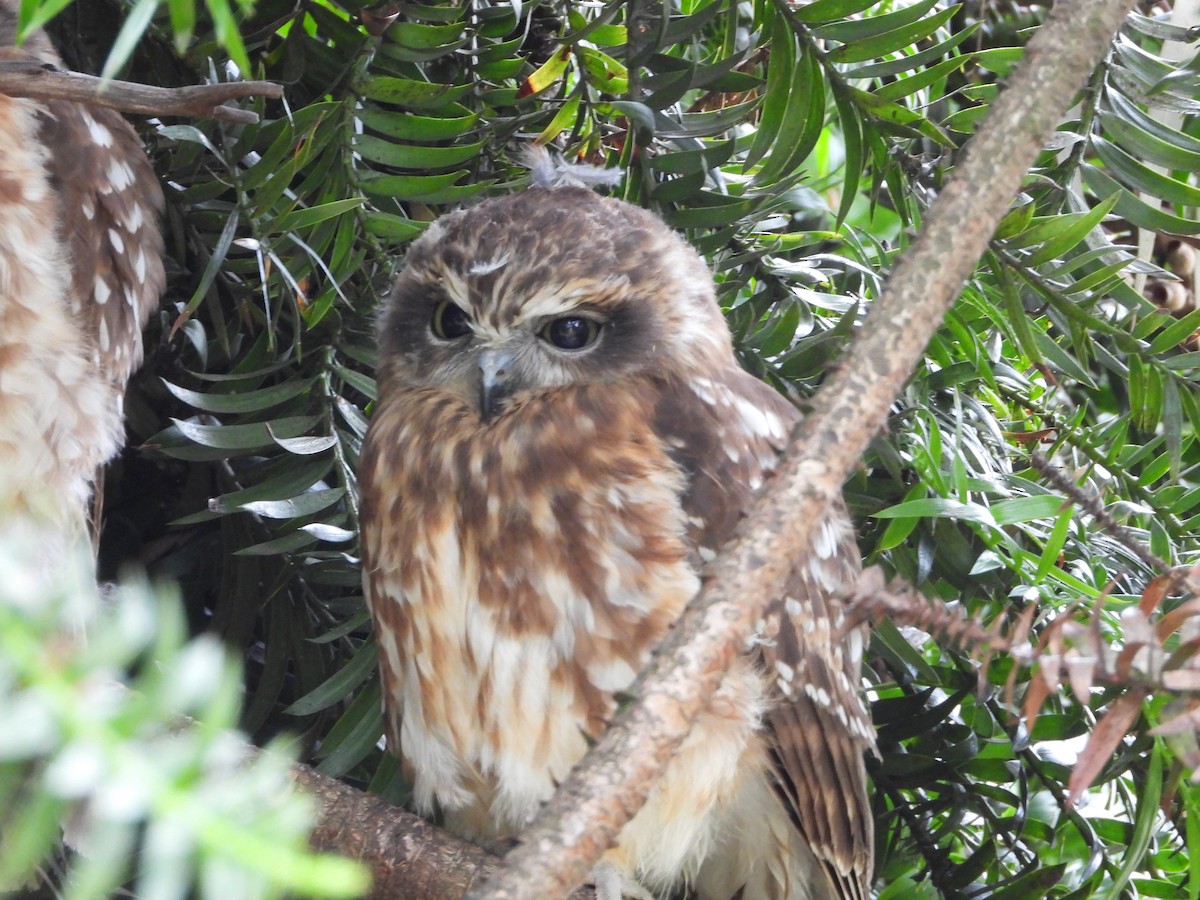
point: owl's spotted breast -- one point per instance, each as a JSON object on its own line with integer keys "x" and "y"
{"x": 525, "y": 568}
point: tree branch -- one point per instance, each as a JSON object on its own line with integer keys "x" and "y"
{"x": 408, "y": 856}
{"x": 611, "y": 783}
{"x": 40, "y": 81}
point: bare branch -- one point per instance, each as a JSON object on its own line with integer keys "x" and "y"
{"x": 1093, "y": 506}
{"x": 611, "y": 784}
{"x": 40, "y": 81}
{"x": 408, "y": 856}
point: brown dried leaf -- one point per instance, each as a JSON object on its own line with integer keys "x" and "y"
{"x": 1105, "y": 736}
{"x": 1155, "y": 592}
{"x": 1181, "y": 680}
{"x": 1124, "y": 664}
{"x": 1190, "y": 580}
{"x": 1186, "y": 721}
{"x": 376, "y": 21}
{"x": 1184, "y": 656}
{"x": 1035, "y": 697}
{"x": 1172, "y": 621}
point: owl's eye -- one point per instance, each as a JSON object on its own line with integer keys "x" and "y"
{"x": 570, "y": 332}
{"x": 450, "y": 321}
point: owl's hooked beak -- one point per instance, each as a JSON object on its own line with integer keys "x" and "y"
{"x": 495, "y": 383}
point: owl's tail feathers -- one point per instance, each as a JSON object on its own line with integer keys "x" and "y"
{"x": 763, "y": 855}
{"x": 548, "y": 170}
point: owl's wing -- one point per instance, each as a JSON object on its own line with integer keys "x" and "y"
{"x": 726, "y": 431}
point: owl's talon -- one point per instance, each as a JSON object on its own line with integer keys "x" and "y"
{"x": 612, "y": 883}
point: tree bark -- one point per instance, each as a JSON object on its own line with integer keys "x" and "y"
{"x": 408, "y": 856}
{"x": 612, "y": 782}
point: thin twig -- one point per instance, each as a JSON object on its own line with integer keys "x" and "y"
{"x": 1092, "y": 505}
{"x": 37, "y": 80}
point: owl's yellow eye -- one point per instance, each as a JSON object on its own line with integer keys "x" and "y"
{"x": 450, "y": 321}
{"x": 570, "y": 332}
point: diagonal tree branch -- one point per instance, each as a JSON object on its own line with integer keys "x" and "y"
{"x": 611, "y": 783}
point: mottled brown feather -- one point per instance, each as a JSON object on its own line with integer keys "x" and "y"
{"x": 819, "y": 767}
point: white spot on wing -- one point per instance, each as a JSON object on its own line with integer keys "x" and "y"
{"x": 99, "y": 133}
{"x": 486, "y": 268}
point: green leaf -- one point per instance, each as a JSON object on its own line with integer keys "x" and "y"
{"x": 242, "y": 401}
{"x": 802, "y": 121}
{"x": 914, "y": 61}
{"x": 304, "y": 505}
{"x": 1059, "y": 240}
{"x": 820, "y": 11}
{"x": 135, "y": 24}
{"x": 782, "y": 75}
{"x": 1130, "y": 207}
{"x": 1138, "y": 177}
{"x": 1055, "y": 543}
{"x": 1026, "y": 509}
{"x": 546, "y": 74}
{"x": 1176, "y": 332}
{"x": 338, "y": 686}
{"x": 412, "y": 156}
{"x": 890, "y": 42}
{"x": 303, "y": 219}
{"x": 1149, "y": 795}
{"x": 392, "y": 228}
{"x": 901, "y": 115}
{"x": 413, "y": 94}
{"x": 424, "y": 37}
{"x": 608, "y": 75}
{"x": 426, "y": 188}
{"x": 288, "y": 483}
{"x": 684, "y": 162}
{"x": 938, "y": 507}
{"x": 1060, "y": 359}
{"x": 244, "y": 437}
{"x": 1173, "y": 154}
{"x": 566, "y": 116}
{"x": 904, "y": 87}
{"x": 867, "y": 27}
{"x": 406, "y": 126}
{"x": 355, "y": 734}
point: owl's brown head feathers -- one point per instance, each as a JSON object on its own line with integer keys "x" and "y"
{"x": 547, "y": 288}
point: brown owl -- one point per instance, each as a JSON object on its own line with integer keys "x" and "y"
{"x": 563, "y": 439}
{"x": 80, "y": 271}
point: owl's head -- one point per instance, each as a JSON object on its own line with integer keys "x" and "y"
{"x": 544, "y": 289}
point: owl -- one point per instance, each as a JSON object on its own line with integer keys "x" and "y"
{"x": 563, "y": 439}
{"x": 80, "y": 271}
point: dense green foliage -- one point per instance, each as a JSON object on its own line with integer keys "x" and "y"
{"x": 797, "y": 146}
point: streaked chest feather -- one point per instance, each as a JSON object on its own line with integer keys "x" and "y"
{"x": 524, "y": 571}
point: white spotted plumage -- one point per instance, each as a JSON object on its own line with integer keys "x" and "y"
{"x": 70, "y": 319}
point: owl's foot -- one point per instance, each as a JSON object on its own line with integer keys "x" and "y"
{"x": 613, "y": 883}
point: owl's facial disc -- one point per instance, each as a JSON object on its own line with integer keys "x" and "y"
{"x": 490, "y": 360}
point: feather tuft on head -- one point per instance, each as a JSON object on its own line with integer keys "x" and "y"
{"x": 550, "y": 171}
